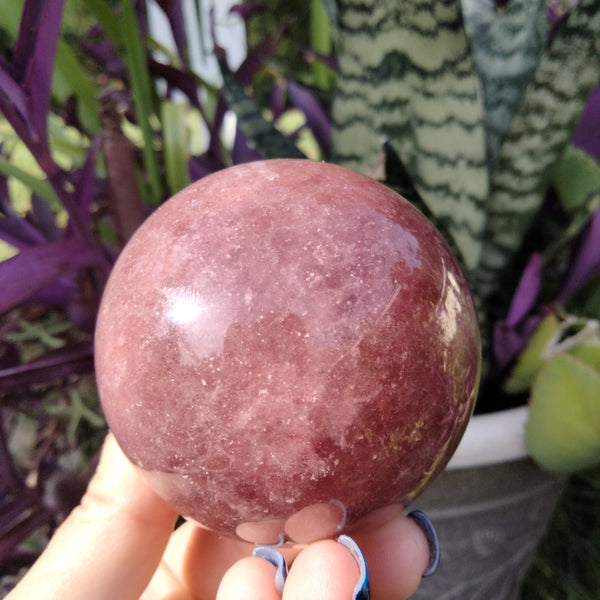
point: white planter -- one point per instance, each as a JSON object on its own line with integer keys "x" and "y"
{"x": 490, "y": 507}
{"x": 491, "y": 439}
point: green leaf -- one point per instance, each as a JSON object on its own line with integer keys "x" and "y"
{"x": 576, "y": 178}
{"x": 41, "y": 187}
{"x": 125, "y": 34}
{"x": 534, "y": 356}
{"x": 406, "y": 77}
{"x": 506, "y": 46}
{"x": 268, "y": 141}
{"x": 173, "y": 117}
{"x": 320, "y": 41}
{"x": 588, "y": 354}
{"x": 563, "y": 431}
{"x": 540, "y": 130}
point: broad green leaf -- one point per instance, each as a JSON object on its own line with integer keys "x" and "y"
{"x": 173, "y": 117}
{"x": 563, "y": 431}
{"x": 534, "y": 356}
{"x": 540, "y": 130}
{"x": 506, "y": 46}
{"x": 267, "y": 140}
{"x": 588, "y": 354}
{"x": 406, "y": 77}
{"x": 575, "y": 178}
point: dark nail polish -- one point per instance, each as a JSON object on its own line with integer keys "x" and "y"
{"x": 275, "y": 558}
{"x": 421, "y": 519}
{"x": 362, "y": 589}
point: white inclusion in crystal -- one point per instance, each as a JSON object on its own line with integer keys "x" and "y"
{"x": 184, "y": 305}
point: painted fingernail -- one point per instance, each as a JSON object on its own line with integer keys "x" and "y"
{"x": 421, "y": 519}
{"x": 362, "y": 589}
{"x": 275, "y": 558}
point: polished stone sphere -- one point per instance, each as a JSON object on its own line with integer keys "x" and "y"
{"x": 285, "y": 347}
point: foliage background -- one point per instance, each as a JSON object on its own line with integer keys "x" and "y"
{"x": 101, "y": 124}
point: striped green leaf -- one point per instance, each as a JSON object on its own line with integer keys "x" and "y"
{"x": 506, "y": 45}
{"x": 566, "y": 73}
{"x": 406, "y": 77}
{"x": 267, "y": 140}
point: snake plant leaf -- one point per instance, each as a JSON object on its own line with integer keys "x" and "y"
{"x": 262, "y": 134}
{"x": 563, "y": 431}
{"x": 406, "y": 78}
{"x": 506, "y": 45}
{"x": 541, "y": 128}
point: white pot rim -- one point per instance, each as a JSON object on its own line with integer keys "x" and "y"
{"x": 492, "y": 438}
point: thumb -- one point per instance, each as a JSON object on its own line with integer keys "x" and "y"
{"x": 110, "y": 545}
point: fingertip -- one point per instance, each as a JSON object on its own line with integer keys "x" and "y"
{"x": 325, "y": 570}
{"x": 250, "y": 578}
{"x": 397, "y": 554}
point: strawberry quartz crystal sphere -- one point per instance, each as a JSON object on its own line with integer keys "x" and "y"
{"x": 285, "y": 347}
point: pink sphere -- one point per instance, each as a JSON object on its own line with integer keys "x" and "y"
{"x": 284, "y": 347}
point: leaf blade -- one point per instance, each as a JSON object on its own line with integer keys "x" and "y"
{"x": 563, "y": 431}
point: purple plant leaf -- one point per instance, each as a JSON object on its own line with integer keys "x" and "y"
{"x": 278, "y": 99}
{"x": 587, "y": 260}
{"x": 69, "y": 361}
{"x": 249, "y": 9}
{"x": 105, "y": 56}
{"x": 205, "y": 164}
{"x": 86, "y": 182}
{"x": 507, "y": 344}
{"x": 8, "y": 540}
{"x": 36, "y": 50}
{"x": 510, "y": 341}
{"x": 527, "y": 291}
{"x": 16, "y": 507}
{"x": 44, "y": 219}
{"x": 36, "y": 267}
{"x": 173, "y": 9}
{"x": 9, "y": 477}
{"x": 316, "y": 117}
{"x": 57, "y": 294}
{"x": 241, "y": 151}
{"x": 13, "y": 100}
{"x": 311, "y": 56}
{"x": 587, "y": 132}
{"x": 19, "y": 232}
{"x": 176, "y": 78}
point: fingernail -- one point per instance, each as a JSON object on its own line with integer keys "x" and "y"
{"x": 362, "y": 589}
{"x": 275, "y": 558}
{"x": 421, "y": 519}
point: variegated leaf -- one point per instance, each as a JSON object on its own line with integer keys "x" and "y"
{"x": 543, "y": 124}
{"x": 507, "y": 44}
{"x": 268, "y": 141}
{"x": 406, "y": 77}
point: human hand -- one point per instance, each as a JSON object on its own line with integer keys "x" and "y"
{"x": 119, "y": 543}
